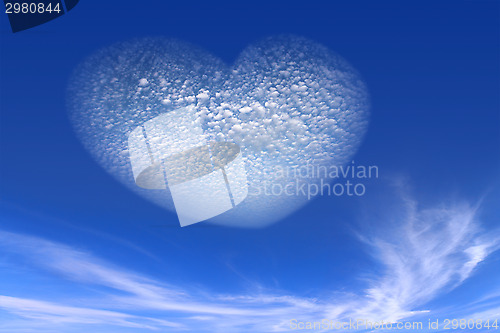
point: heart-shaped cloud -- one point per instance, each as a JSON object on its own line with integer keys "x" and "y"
{"x": 289, "y": 103}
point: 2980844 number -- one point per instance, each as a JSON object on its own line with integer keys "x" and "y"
{"x": 31, "y": 8}
{"x": 471, "y": 324}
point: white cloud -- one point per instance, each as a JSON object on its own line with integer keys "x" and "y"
{"x": 428, "y": 252}
{"x": 48, "y": 312}
{"x": 431, "y": 251}
{"x": 490, "y": 314}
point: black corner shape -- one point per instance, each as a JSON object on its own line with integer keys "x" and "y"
{"x": 26, "y": 14}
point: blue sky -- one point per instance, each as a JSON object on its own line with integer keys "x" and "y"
{"x": 80, "y": 252}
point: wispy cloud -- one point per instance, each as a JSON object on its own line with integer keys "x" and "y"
{"x": 423, "y": 254}
{"x": 431, "y": 251}
{"x": 490, "y": 314}
{"x": 61, "y": 314}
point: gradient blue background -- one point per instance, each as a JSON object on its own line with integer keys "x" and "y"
{"x": 432, "y": 69}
